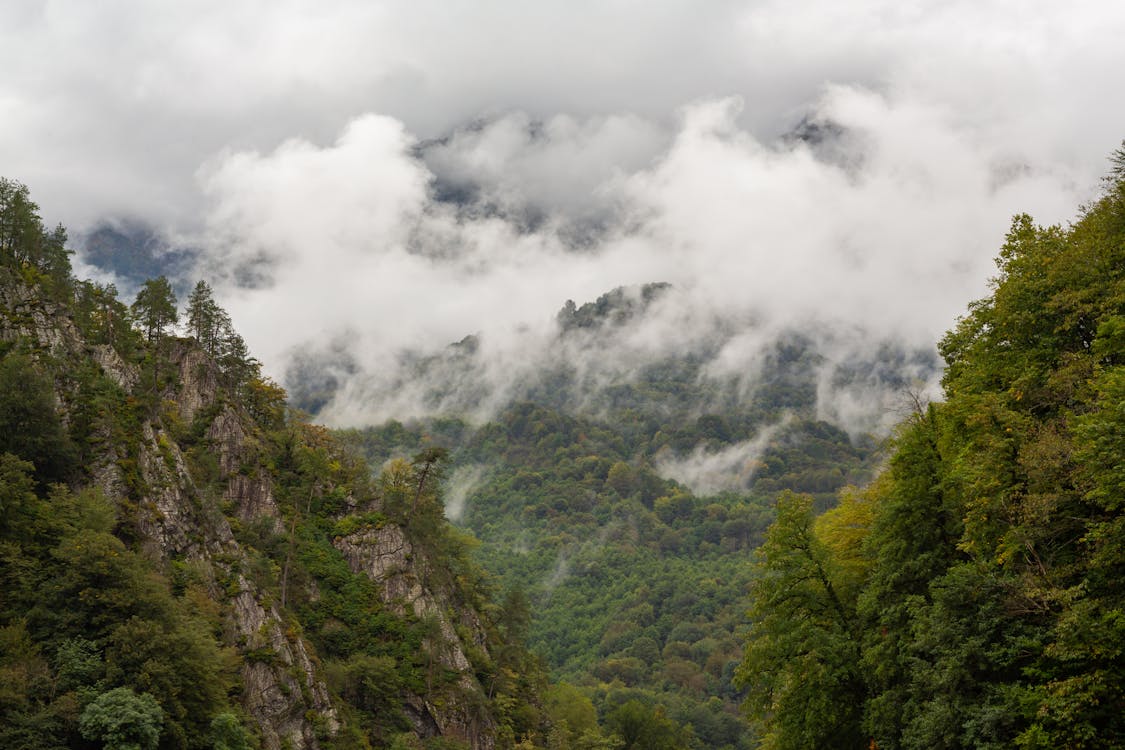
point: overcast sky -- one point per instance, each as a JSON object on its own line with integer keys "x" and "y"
{"x": 309, "y": 145}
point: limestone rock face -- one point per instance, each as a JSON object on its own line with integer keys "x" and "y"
{"x": 126, "y": 375}
{"x": 280, "y": 672}
{"x": 198, "y": 380}
{"x": 187, "y": 471}
{"x": 25, "y": 314}
{"x": 387, "y": 556}
{"x": 176, "y": 519}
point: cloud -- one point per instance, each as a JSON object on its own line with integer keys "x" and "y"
{"x": 461, "y": 482}
{"x": 125, "y": 100}
{"x": 532, "y": 172}
{"x": 706, "y": 472}
{"x": 399, "y": 176}
{"x": 351, "y": 241}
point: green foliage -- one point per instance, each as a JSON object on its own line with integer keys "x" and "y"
{"x": 27, "y": 247}
{"x": 155, "y": 308}
{"x": 801, "y": 668}
{"x": 643, "y": 727}
{"x": 227, "y": 733}
{"x": 989, "y": 608}
{"x": 78, "y": 664}
{"x": 616, "y": 562}
{"x": 101, "y": 615}
{"x": 569, "y": 707}
{"x": 102, "y": 318}
{"x": 29, "y": 423}
{"x": 122, "y": 720}
{"x": 206, "y": 321}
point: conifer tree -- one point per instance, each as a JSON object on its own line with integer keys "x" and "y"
{"x": 155, "y": 308}
{"x": 206, "y": 321}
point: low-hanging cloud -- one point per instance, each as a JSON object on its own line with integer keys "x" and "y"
{"x": 460, "y": 484}
{"x": 374, "y": 181}
{"x": 732, "y": 467}
{"x": 134, "y": 95}
{"x": 350, "y": 241}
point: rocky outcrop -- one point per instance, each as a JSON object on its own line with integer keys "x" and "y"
{"x": 281, "y": 687}
{"x": 387, "y": 556}
{"x": 176, "y": 519}
{"x": 124, "y": 374}
{"x": 197, "y": 382}
{"x": 186, "y": 466}
{"x": 171, "y": 517}
{"x": 24, "y": 314}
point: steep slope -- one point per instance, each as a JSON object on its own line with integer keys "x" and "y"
{"x": 971, "y": 597}
{"x": 171, "y": 527}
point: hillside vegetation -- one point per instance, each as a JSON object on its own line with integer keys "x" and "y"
{"x": 637, "y": 584}
{"x": 640, "y": 563}
{"x": 972, "y": 596}
{"x": 186, "y": 564}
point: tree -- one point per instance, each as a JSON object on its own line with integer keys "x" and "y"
{"x": 235, "y": 360}
{"x": 913, "y": 540}
{"x": 801, "y": 664}
{"x": 642, "y": 727}
{"x": 20, "y": 226}
{"x": 206, "y": 320}
{"x": 122, "y": 720}
{"x": 227, "y": 733}
{"x": 27, "y": 245}
{"x": 102, "y": 317}
{"x": 570, "y": 708}
{"x": 29, "y": 423}
{"x": 155, "y": 308}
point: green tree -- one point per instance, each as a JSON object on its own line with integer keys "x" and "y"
{"x": 19, "y": 220}
{"x": 239, "y": 368}
{"x": 227, "y": 733}
{"x": 913, "y": 541}
{"x": 102, "y": 317}
{"x": 206, "y": 321}
{"x": 155, "y": 308}
{"x": 801, "y": 666}
{"x": 122, "y": 720}
{"x": 642, "y": 727}
{"x": 568, "y": 707}
{"x": 29, "y": 422}
{"x": 19, "y": 505}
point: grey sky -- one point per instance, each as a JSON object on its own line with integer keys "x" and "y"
{"x": 286, "y": 135}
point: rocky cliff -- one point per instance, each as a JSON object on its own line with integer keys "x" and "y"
{"x": 213, "y": 476}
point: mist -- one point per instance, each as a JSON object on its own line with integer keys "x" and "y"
{"x": 876, "y": 235}
{"x": 707, "y": 472}
{"x": 462, "y": 481}
{"x": 367, "y": 184}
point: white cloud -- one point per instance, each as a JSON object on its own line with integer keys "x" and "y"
{"x": 706, "y": 472}
{"x": 620, "y": 143}
{"x": 755, "y": 238}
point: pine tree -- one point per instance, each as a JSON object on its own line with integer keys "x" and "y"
{"x": 206, "y": 321}
{"x": 155, "y": 308}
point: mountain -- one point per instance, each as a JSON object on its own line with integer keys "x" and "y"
{"x": 184, "y": 563}
{"x": 628, "y": 510}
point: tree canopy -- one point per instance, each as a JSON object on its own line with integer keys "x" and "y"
{"x": 155, "y": 308}
{"x": 989, "y": 611}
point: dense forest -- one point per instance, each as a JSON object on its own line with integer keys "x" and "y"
{"x": 187, "y": 561}
{"x": 637, "y": 584}
{"x": 971, "y": 596}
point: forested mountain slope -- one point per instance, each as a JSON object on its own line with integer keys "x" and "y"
{"x": 972, "y": 596}
{"x": 186, "y": 564}
{"x": 628, "y": 522}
